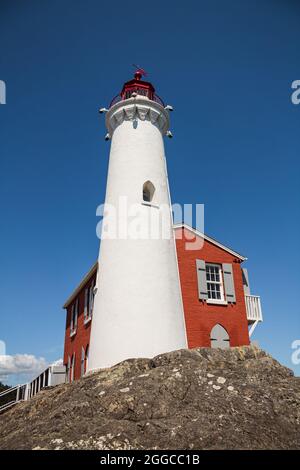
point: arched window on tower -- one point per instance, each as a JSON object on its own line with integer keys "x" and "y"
{"x": 219, "y": 338}
{"x": 148, "y": 191}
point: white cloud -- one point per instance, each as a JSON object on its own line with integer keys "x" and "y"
{"x": 59, "y": 362}
{"x": 21, "y": 364}
{"x": 2, "y": 347}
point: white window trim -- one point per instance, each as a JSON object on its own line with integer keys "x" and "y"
{"x": 87, "y": 320}
{"x": 72, "y": 324}
{"x": 72, "y": 375}
{"x": 86, "y": 352}
{"x": 82, "y": 363}
{"x": 85, "y": 312}
{"x": 73, "y": 329}
{"x": 222, "y": 300}
{"x": 68, "y": 369}
{"x": 217, "y": 301}
{"x": 90, "y": 292}
{"x": 91, "y": 300}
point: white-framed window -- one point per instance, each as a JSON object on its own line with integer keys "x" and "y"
{"x": 74, "y": 317}
{"x": 89, "y": 301}
{"x": 214, "y": 280}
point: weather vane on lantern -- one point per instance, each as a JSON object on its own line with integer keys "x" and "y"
{"x": 140, "y": 72}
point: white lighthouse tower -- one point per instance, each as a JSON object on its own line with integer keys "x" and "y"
{"x": 138, "y": 308}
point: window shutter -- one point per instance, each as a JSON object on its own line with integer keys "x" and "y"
{"x": 229, "y": 282}
{"x": 86, "y": 293}
{"x": 91, "y": 300}
{"x": 201, "y": 277}
{"x": 73, "y": 367}
{"x": 86, "y": 358}
{"x": 246, "y": 281}
{"x": 76, "y": 314}
{"x": 72, "y": 318}
{"x": 82, "y": 361}
{"x": 68, "y": 369}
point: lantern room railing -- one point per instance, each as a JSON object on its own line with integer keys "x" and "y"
{"x": 139, "y": 91}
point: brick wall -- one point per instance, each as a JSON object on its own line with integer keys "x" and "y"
{"x": 201, "y": 317}
{"x": 81, "y": 339}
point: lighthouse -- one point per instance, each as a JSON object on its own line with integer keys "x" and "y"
{"x": 138, "y": 309}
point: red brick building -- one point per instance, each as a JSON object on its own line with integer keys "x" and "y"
{"x": 78, "y": 326}
{"x": 218, "y": 307}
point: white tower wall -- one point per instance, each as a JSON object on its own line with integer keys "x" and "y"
{"x": 138, "y": 307}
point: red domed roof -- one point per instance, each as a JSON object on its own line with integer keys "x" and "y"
{"x": 138, "y": 86}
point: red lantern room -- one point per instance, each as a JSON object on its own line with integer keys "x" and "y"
{"x": 139, "y": 87}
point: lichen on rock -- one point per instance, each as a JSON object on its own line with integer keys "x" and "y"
{"x": 239, "y": 398}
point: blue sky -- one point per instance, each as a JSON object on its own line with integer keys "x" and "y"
{"x": 226, "y": 67}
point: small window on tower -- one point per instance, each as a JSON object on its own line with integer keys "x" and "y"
{"x": 148, "y": 191}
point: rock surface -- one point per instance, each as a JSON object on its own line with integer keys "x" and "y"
{"x": 239, "y": 398}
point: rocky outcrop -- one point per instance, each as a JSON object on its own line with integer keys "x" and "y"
{"x": 239, "y": 398}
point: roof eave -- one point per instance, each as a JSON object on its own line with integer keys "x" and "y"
{"x": 211, "y": 240}
{"x": 176, "y": 226}
{"x": 82, "y": 283}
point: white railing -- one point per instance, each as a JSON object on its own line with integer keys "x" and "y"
{"x": 51, "y": 376}
{"x": 19, "y": 393}
{"x": 253, "y": 308}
